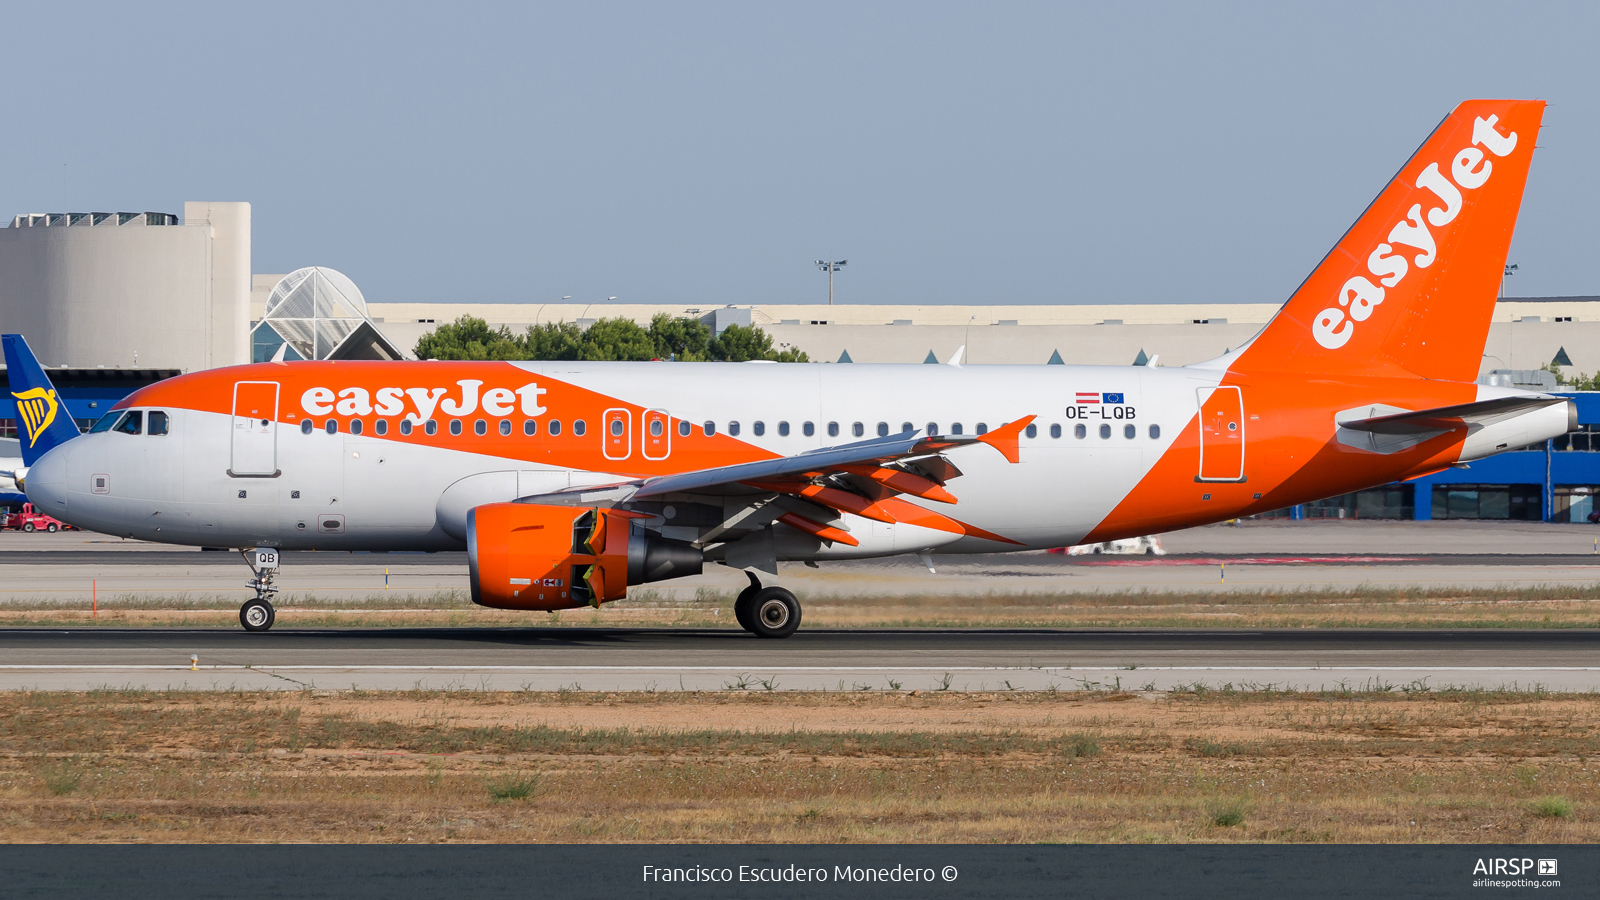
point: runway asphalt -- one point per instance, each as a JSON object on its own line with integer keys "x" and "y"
{"x": 674, "y": 659}
{"x": 1262, "y": 555}
{"x": 1036, "y": 561}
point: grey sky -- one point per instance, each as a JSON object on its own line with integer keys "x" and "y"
{"x": 707, "y": 153}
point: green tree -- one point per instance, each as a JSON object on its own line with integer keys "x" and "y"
{"x": 617, "y": 339}
{"x": 553, "y": 340}
{"x": 667, "y": 337}
{"x": 684, "y": 340}
{"x": 470, "y": 338}
{"x": 739, "y": 343}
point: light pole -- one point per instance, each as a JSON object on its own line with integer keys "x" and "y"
{"x": 830, "y": 268}
{"x": 601, "y": 300}
{"x": 1510, "y": 270}
{"x": 540, "y": 314}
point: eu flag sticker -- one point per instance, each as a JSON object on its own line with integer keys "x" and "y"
{"x": 1113, "y": 398}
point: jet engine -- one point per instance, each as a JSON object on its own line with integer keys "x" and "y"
{"x": 533, "y": 556}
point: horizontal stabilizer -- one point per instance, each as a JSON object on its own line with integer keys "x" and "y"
{"x": 1446, "y": 418}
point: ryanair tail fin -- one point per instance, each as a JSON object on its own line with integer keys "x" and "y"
{"x": 42, "y": 417}
{"x": 1410, "y": 288}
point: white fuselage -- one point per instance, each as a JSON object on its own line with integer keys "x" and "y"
{"x": 343, "y": 491}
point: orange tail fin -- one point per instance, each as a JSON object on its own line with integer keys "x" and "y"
{"x": 1410, "y": 288}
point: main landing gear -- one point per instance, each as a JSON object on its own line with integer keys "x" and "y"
{"x": 767, "y": 612}
{"x": 257, "y": 614}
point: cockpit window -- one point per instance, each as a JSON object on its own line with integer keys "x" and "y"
{"x": 132, "y": 422}
{"x": 106, "y": 421}
{"x": 158, "y": 422}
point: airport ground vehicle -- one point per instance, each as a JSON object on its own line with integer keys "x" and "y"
{"x": 568, "y": 482}
{"x": 30, "y": 520}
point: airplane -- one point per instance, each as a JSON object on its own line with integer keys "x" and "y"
{"x": 569, "y": 482}
{"x": 11, "y": 470}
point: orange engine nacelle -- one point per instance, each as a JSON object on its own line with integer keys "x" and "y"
{"x": 530, "y": 556}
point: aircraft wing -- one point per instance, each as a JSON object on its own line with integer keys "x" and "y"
{"x": 1445, "y": 418}
{"x": 875, "y": 452}
{"x": 864, "y": 478}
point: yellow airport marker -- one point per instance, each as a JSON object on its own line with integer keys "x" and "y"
{"x": 1222, "y": 571}
{"x": 194, "y": 662}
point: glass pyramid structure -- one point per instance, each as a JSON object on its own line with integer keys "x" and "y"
{"x": 320, "y": 313}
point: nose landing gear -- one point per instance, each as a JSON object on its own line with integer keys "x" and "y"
{"x": 258, "y": 614}
{"x": 767, "y": 612}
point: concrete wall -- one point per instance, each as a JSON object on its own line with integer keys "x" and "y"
{"x": 175, "y": 295}
{"x": 230, "y": 277}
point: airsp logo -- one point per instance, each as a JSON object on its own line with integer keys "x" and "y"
{"x": 1503, "y": 866}
{"x": 1470, "y": 169}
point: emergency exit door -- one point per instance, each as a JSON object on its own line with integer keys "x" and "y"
{"x": 1221, "y": 434}
{"x": 255, "y": 429}
{"x": 657, "y": 437}
{"x": 617, "y": 443}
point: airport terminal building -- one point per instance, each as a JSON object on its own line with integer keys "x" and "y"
{"x": 111, "y": 302}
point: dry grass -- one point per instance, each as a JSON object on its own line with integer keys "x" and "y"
{"x": 735, "y": 767}
{"x": 1536, "y": 607}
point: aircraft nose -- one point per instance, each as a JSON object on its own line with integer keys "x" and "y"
{"x": 46, "y": 481}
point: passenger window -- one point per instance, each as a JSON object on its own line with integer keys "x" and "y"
{"x": 759, "y": 428}
{"x": 132, "y": 422}
{"x": 158, "y": 422}
{"x": 883, "y": 429}
{"x": 1032, "y": 431}
{"x": 955, "y": 428}
{"x": 905, "y": 427}
{"x": 1129, "y": 432}
{"x": 616, "y": 428}
{"x": 455, "y": 426}
{"x": 1055, "y": 431}
{"x": 833, "y": 429}
{"x": 710, "y": 428}
{"x": 983, "y": 428}
{"x": 430, "y": 427}
{"x": 579, "y": 427}
{"x": 355, "y": 426}
{"x": 684, "y": 428}
{"x": 505, "y": 426}
{"x": 530, "y": 427}
{"x": 306, "y": 426}
{"x": 1105, "y": 432}
{"x": 1080, "y": 431}
{"x": 783, "y": 429}
{"x": 405, "y": 426}
{"x": 480, "y": 427}
{"x": 1155, "y": 432}
{"x": 656, "y": 428}
{"x": 858, "y": 429}
{"x": 554, "y": 428}
{"x": 331, "y": 426}
{"x": 933, "y": 428}
{"x": 808, "y": 429}
{"x": 733, "y": 428}
{"x": 380, "y": 427}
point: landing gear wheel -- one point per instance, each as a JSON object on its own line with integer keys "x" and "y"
{"x": 744, "y": 606}
{"x": 777, "y": 613}
{"x": 257, "y": 615}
